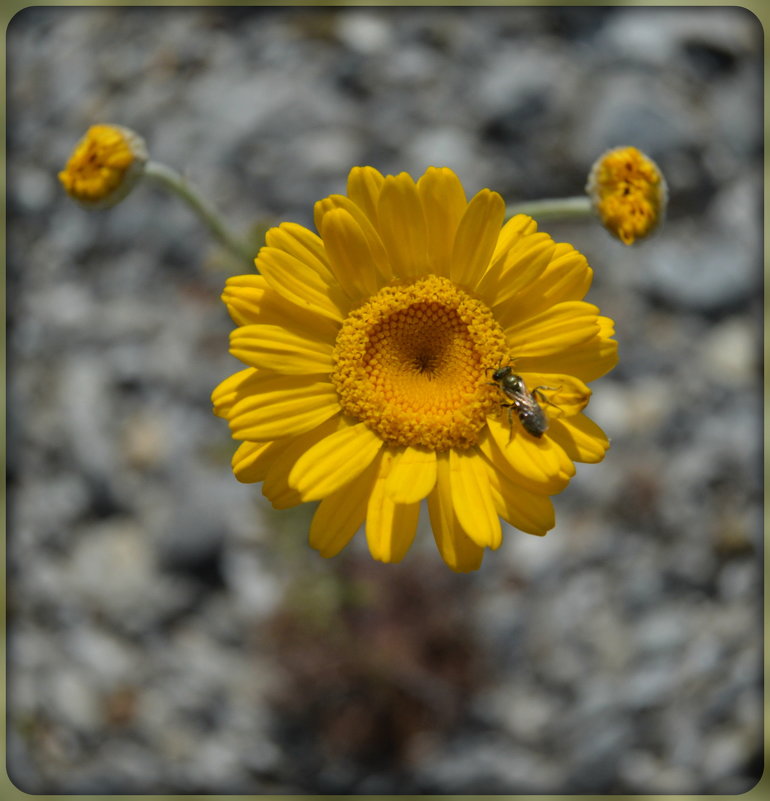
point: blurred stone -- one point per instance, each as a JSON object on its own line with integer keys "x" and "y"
{"x": 731, "y": 351}
{"x": 620, "y": 114}
{"x": 660, "y": 632}
{"x": 441, "y": 147}
{"x": 642, "y": 772}
{"x": 144, "y": 442}
{"x": 487, "y": 765}
{"x": 651, "y": 37}
{"x": 115, "y": 552}
{"x": 525, "y": 711}
{"x": 73, "y": 700}
{"x": 256, "y": 590}
{"x": 364, "y": 32}
{"x": 714, "y": 270}
{"x": 35, "y": 189}
{"x": 651, "y": 683}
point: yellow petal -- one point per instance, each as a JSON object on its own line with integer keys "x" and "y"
{"x": 472, "y": 498}
{"x": 402, "y": 226}
{"x": 476, "y": 237}
{"x": 250, "y": 299}
{"x": 443, "y": 201}
{"x": 377, "y": 254}
{"x": 535, "y": 464}
{"x": 390, "y": 527}
{"x": 587, "y": 360}
{"x": 456, "y": 548}
{"x": 519, "y": 226}
{"x": 522, "y": 267}
{"x": 226, "y": 393}
{"x": 581, "y": 438}
{"x": 564, "y": 395}
{"x": 342, "y": 513}
{"x": 302, "y": 244}
{"x": 271, "y": 347}
{"x": 251, "y": 461}
{"x": 364, "y": 185}
{"x": 287, "y": 451}
{"x": 277, "y": 490}
{"x": 280, "y": 406}
{"x": 567, "y": 277}
{"x": 568, "y": 270}
{"x": 334, "y": 461}
{"x": 350, "y": 254}
{"x": 412, "y": 475}
{"x": 552, "y": 331}
{"x": 606, "y": 326}
{"x": 542, "y": 452}
{"x": 301, "y": 284}
{"x": 527, "y": 511}
{"x": 241, "y": 295}
{"x": 525, "y": 478}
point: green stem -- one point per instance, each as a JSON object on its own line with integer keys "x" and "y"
{"x": 172, "y": 180}
{"x": 566, "y": 208}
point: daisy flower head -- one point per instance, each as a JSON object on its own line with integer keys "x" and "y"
{"x": 380, "y": 357}
{"x": 104, "y": 166}
{"x": 628, "y": 193}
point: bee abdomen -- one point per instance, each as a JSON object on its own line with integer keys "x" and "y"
{"x": 534, "y": 421}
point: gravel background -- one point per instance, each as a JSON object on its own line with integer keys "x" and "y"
{"x": 169, "y": 632}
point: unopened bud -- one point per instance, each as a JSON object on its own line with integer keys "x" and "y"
{"x": 628, "y": 193}
{"x": 105, "y": 166}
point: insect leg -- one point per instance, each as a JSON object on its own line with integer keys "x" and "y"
{"x": 510, "y": 407}
{"x": 540, "y": 397}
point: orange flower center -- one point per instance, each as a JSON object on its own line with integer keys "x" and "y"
{"x": 413, "y": 364}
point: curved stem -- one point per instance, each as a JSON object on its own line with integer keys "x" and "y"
{"x": 566, "y": 208}
{"x": 173, "y": 181}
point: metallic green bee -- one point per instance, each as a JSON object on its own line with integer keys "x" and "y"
{"x": 526, "y": 404}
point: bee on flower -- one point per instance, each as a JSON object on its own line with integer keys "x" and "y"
{"x": 104, "y": 166}
{"x": 367, "y": 348}
{"x": 628, "y": 193}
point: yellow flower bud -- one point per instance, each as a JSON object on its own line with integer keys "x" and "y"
{"x": 628, "y": 193}
{"x": 105, "y": 166}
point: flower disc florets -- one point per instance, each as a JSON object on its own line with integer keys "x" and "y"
{"x": 410, "y": 363}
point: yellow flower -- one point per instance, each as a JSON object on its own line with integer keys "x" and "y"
{"x": 628, "y": 193}
{"x": 105, "y": 166}
{"x": 371, "y": 351}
